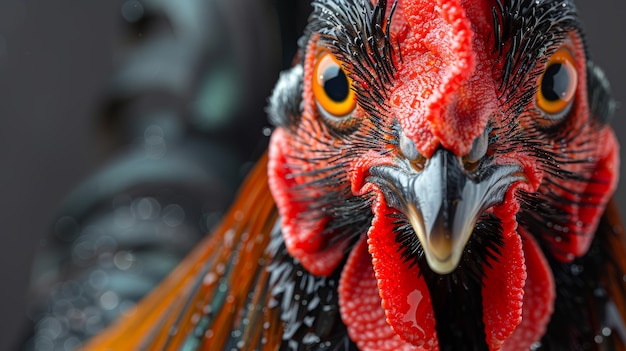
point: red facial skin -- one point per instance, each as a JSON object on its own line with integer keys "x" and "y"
{"x": 444, "y": 94}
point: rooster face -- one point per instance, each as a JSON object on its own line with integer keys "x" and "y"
{"x": 446, "y": 148}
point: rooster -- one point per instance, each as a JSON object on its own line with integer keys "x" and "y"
{"x": 439, "y": 178}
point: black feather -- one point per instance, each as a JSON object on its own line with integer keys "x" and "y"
{"x": 358, "y": 33}
{"x": 584, "y": 316}
{"x": 309, "y": 304}
{"x": 525, "y": 32}
{"x": 285, "y": 104}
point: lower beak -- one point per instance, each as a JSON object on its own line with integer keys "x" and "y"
{"x": 443, "y": 202}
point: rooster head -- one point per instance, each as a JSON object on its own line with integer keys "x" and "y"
{"x": 436, "y": 152}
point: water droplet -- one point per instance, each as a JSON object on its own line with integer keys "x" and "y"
{"x": 576, "y": 269}
{"x": 209, "y": 278}
{"x": 154, "y": 133}
{"x": 229, "y": 238}
{"x": 606, "y": 331}
{"x": 239, "y": 215}
{"x": 109, "y": 300}
{"x": 98, "y": 279}
{"x": 123, "y": 260}
{"x": 93, "y": 324}
{"x": 154, "y": 141}
{"x": 173, "y": 215}
{"x": 267, "y": 131}
{"x": 146, "y": 208}
{"x": 599, "y": 292}
{"x": 83, "y": 250}
{"x": 132, "y": 11}
{"x": 50, "y": 327}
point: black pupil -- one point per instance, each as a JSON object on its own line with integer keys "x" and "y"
{"x": 336, "y": 83}
{"x": 555, "y": 82}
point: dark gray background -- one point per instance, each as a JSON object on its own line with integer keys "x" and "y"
{"x": 55, "y": 61}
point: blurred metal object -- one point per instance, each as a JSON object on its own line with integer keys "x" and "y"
{"x": 184, "y": 111}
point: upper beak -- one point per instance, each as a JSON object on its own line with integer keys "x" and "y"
{"x": 443, "y": 202}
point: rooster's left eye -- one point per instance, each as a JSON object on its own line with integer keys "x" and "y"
{"x": 332, "y": 87}
{"x": 557, "y": 85}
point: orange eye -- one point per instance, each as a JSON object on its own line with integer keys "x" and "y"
{"x": 332, "y": 87}
{"x": 557, "y": 86}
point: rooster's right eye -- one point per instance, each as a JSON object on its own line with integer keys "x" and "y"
{"x": 332, "y": 87}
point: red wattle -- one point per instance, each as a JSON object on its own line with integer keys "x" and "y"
{"x": 405, "y": 297}
{"x": 539, "y": 297}
{"x": 503, "y": 289}
{"x": 360, "y": 305}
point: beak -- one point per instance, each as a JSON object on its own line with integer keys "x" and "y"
{"x": 444, "y": 201}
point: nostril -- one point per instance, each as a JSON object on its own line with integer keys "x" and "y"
{"x": 479, "y": 148}
{"x": 408, "y": 147}
{"x": 418, "y": 164}
{"x": 409, "y": 151}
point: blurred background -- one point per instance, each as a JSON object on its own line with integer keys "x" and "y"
{"x": 163, "y": 102}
